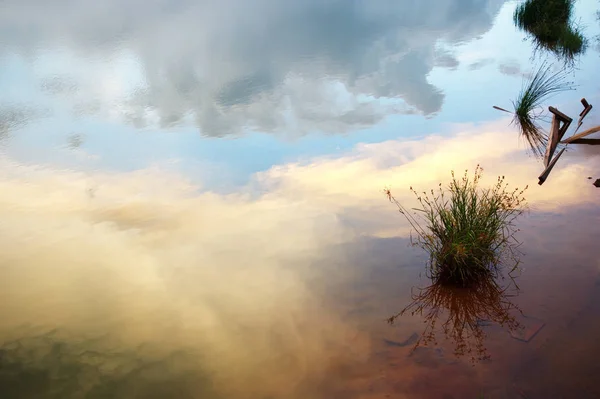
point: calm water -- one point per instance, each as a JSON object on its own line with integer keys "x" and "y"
{"x": 191, "y": 201}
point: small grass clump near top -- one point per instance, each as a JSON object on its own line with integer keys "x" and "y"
{"x": 468, "y": 232}
{"x": 549, "y": 22}
{"x": 528, "y": 105}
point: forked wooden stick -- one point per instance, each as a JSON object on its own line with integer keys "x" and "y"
{"x": 557, "y": 131}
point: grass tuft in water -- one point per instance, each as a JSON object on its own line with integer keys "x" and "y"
{"x": 549, "y": 23}
{"x": 528, "y": 104}
{"x": 468, "y": 232}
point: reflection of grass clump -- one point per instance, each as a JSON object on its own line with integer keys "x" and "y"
{"x": 528, "y": 105}
{"x": 468, "y": 232}
{"x": 467, "y": 312}
{"x": 549, "y": 21}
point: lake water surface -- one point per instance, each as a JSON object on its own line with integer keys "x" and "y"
{"x": 192, "y": 206}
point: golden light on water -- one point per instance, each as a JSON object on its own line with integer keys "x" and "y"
{"x": 147, "y": 264}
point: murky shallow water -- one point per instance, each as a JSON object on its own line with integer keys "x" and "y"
{"x": 143, "y": 254}
{"x": 147, "y": 297}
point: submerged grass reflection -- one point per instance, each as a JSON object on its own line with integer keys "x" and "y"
{"x": 549, "y": 23}
{"x": 468, "y": 232}
{"x": 466, "y": 310}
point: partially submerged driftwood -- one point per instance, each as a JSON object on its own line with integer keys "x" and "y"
{"x": 542, "y": 178}
{"x": 571, "y": 139}
{"x": 566, "y": 121}
{"x": 560, "y": 125}
{"x": 501, "y": 109}
{"x": 587, "y": 107}
{"x": 556, "y": 132}
{"x": 586, "y": 141}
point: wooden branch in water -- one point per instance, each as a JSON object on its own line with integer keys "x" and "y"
{"x": 552, "y": 141}
{"x": 564, "y": 119}
{"x": 557, "y": 131}
{"x": 563, "y": 130}
{"x": 587, "y": 107}
{"x": 581, "y": 135}
{"x": 560, "y": 115}
{"x": 501, "y": 109}
{"x": 586, "y": 141}
{"x": 542, "y": 178}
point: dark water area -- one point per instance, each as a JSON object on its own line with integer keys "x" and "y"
{"x": 558, "y": 291}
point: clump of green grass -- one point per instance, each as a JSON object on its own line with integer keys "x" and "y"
{"x": 468, "y": 232}
{"x": 528, "y": 104}
{"x": 570, "y": 44}
{"x": 549, "y": 22}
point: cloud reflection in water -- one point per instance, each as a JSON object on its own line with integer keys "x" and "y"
{"x": 149, "y": 259}
{"x": 274, "y": 66}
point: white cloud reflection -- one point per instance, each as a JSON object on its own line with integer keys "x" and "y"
{"x": 266, "y": 65}
{"x": 144, "y": 259}
{"x": 148, "y": 258}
